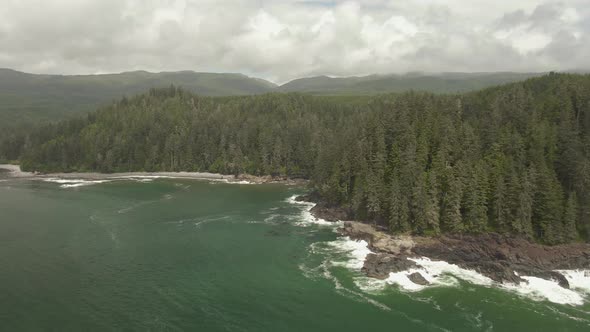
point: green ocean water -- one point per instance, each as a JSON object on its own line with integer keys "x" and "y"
{"x": 184, "y": 255}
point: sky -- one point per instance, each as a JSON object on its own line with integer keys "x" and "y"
{"x": 282, "y": 40}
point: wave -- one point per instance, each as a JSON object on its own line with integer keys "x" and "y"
{"x": 306, "y": 218}
{"x": 357, "y": 252}
{"x": 230, "y": 181}
{"x": 354, "y": 253}
{"x": 200, "y": 221}
{"x": 444, "y": 274}
{"x": 437, "y": 273}
{"x": 74, "y": 183}
{"x": 578, "y": 279}
{"x": 542, "y": 289}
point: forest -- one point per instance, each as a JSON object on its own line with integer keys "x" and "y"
{"x": 512, "y": 159}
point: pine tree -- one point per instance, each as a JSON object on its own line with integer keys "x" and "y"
{"x": 474, "y": 201}
{"x": 522, "y": 197}
{"x": 548, "y": 207}
{"x": 398, "y": 210}
{"x": 569, "y": 218}
{"x": 432, "y": 208}
{"x": 451, "y": 216}
{"x": 419, "y": 204}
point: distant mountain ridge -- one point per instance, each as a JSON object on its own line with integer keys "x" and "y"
{"x": 26, "y": 98}
{"x": 376, "y": 84}
{"x": 30, "y": 97}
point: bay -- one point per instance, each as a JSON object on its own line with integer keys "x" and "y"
{"x": 183, "y": 255}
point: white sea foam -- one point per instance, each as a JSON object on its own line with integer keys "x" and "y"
{"x": 438, "y": 270}
{"x": 74, "y": 183}
{"x": 356, "y": 251}
{"x": 542, "y": 289}
{"x": 142, "y": 177}
{"x": 271, "y": 218}
{"x": 578, "y": 279}
{"x": 440, "y": 273}
{"x": 402, "y": 281}
{"x": 241, "y": 182}
{"x": 306, "y": 218}
{"x": 230, "y": 181}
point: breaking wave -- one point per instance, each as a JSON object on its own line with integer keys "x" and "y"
{"x": 74, "y": 183}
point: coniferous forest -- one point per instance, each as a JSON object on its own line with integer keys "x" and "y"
{"x": 510, "y": 159}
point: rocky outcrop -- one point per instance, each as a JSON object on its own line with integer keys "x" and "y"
{"x": 329, "y": 213}
{"x": 380, "y": 265}
{"x": 268, "y": 179}
{"x": 378, "y": 240}
{"x": 500, "y": 257}
{"x": 418, "y": 279}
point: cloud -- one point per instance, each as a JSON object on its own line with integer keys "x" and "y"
{"x": 282, "y": 40}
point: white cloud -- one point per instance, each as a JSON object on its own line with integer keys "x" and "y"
{"x": 282, "y": 40}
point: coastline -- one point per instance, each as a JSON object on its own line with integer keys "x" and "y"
{"x": 14, "y": 171}
{"x": 559, "y": 273}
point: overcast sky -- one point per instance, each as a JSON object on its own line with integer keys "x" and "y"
{"x": 281, "y": 40}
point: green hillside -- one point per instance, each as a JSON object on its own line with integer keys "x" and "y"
{"x": 33, "y": 98}
{"x": 376, "y": 84}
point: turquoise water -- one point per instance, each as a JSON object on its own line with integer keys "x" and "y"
{"x": 182, "y": 255}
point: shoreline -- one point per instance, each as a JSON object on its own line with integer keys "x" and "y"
{"x": 501, "y": 258}
{"x": 14, "y": 171}
{"x": 508, "y": 262}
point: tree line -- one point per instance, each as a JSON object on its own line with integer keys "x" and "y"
{"x": 512, "y": 159}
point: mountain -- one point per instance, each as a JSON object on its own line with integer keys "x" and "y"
{"x": 32, "y": 98}
{"x": 376, "y": 84}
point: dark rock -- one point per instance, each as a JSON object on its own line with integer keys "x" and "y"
{"x": 417, "y": 278}
{"x": 323, "y": 210}
{"x": 496, "y": 256}
{"x": 496, "y": 270}
{"x": 545, "y": 274}
{"x": 329, "y": 213}
{"x": 561, "y": 280}
{"x": 380, "y": 265}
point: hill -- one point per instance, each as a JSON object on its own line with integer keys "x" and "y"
{"x": 38, "y": 98}
{"x": 32, "y": 98}
{"x": 376, "y": 84}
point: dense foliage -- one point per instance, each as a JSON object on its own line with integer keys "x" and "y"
{"x": 512, "y": 159}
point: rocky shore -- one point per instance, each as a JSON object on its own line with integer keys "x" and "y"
{"x": 499, "y": 257}
{"x": 502, "y": 258}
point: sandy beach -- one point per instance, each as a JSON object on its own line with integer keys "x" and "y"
{"x": 15, "y": 172}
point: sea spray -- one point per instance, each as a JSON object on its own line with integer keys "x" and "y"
{"x": 306, "y": 218}
{"x": 542, "y": 289}
{"x": 578, "y": 279}
{"x": 438, "y": 273}
{"x": 356, "y": 251}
